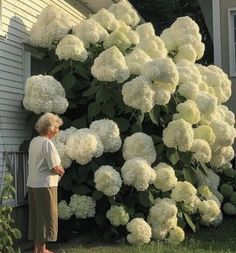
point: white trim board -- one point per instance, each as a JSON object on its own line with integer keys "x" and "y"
{"x": 232, "y": 53}
{"x": 216, "y": 32}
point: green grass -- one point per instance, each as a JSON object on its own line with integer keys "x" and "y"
{"x": 207, "y": 240}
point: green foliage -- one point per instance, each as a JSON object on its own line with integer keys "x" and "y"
{"x": 7, "y": 231}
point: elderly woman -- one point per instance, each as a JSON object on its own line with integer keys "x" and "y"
{"x": 44, "y": 173}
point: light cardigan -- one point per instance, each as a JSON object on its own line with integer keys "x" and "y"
{"x": 43, "y": 156}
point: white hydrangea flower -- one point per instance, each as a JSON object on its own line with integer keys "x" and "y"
{"x": 201, "y": 150}
{"x": 188, "y": 111}
{"x": 184, "y": 191}
{"x": 176, "y": 235}
{"x": 110, "y": 66}
{"x": 189, "y": 90}
{"x": 186, "y": 52}
{"x": 221, "y": 156}
{"x": 124, "y": 11}
{"x": 117, "y": 216}
{"x": 224, "y": 133}
{"x": 109, "y": 133}
{"x": 188, "y": 72}
{"x": 90, "y": 32}
{"x": 138, "y": 173}
{"x": 106, "y": 19}
{"x": 162, "y": 96}
{"x": 107, "y": 180}
{"x": 135, "y": 61}
{"x": 211, "y": 179}
{"x": 138, "y": 94}
{"x": 117, "y": 39}
{"x": 139, "y": 145}
{"x": 82, "y": 206}
{"x": 217, "y": 80}
{"x": 206, "y": 102}
{"x": 71, "y": 47}
{"x": 89, "y": 145}
{"x": 178, "y": 134}
{"x": 204, "y": 132}
{"x": 164, "y": 210}
{"x": 165, "y": 177}
{"x": 153, "y": 46}
{"x": 64, "y": 211}
{"x": 52, "y": 25}
{"x": 60, "y": 141}
{"x": 225, "y": 114}
{"x": 209, "y": 210}
{"x": 44, "y": 94}
{"x": 184, "y": 31}
{"x": 145, "y": 30}
{"x": 163, "y": 73}
{"x": 140, "y": 231}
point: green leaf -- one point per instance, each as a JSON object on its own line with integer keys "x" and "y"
{"x": 72, "y": 104}
{"x": 91, "y": 91}
{"x": 204, "y": 168}
{"x": 189, "y": 221}
{"x": 190, "y": 175}
{"x": 60, "y": 66}
{"x": 123, "y": 124}
{"x": 97, "y": 195}
{"x": 79, "y": 123}
{"x": 103, "y": 94}
{"x": 66, "y": 122}
{"x": 94, "y": 109}
{"x": 68, "y": 81}
{"x": 172, "y": 155}
{"x": 108, "y": 109}
{"x": 81, "y": 70}
{"x": 100, "y": 218}
{"x": 146, "y": 198}
{"x": 16, "y": 232}
{"x": 154, "y": 114}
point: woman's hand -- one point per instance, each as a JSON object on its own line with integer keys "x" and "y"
{"x": 58, "y": 170}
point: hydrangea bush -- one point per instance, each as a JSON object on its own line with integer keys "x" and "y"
{"x": 146, "y": 140}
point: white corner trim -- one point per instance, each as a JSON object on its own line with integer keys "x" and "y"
{"x": 232, "y": 60}
{"x": 216, "y": 32}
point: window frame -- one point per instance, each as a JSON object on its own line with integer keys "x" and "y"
{"x": 232, "y": 41}
{"x": 2, "y": 34}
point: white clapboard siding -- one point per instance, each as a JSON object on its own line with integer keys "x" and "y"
{"x": 18, "y": 16}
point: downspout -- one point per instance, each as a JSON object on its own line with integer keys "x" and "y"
{"x": 216, "y": 32}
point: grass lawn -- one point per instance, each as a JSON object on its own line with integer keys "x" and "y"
{"x": 207, "y": 240}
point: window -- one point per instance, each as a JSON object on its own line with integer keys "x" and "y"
{"x": 35, "y": 62}
{"x": 232, "y": 42}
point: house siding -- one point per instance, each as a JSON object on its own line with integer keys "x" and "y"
{"x": 224, "y": 6}
{"x": 18, "y": 17}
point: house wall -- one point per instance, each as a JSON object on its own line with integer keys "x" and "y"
{"x": 224, "y": 5}
{"x": 17, "y": 18}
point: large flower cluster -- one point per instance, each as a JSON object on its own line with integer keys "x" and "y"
{"x": 110, "y": 66}
{"x": 44, "y": 94}
{"x": 139, "y": 145}
{"x": 117, "y": 216}
{"x": 178, "y": 134}
{"x": 60, "y": 141}
{"x": 82, "y": 206}
{"x": 52, "y": 25}
{"x": 109, "y": 133}
{"x": 184, "y": 191}
{"x": 64, "y": 211}
{"x": 162, "y": 217}
{"x": 89, "y": 145}
{"x": 184, "y": 40}
{"x": 107, "y": 180}
{"x": 138, "y": 173}
{"x": 165, "y": 177}
{"x": 71, "y": 47}
{"x": 140, "y": 231}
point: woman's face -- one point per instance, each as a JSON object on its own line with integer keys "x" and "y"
{"x": 53, "y": 132}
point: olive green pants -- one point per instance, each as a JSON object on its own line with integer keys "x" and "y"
{"x": 43, "y": 214}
